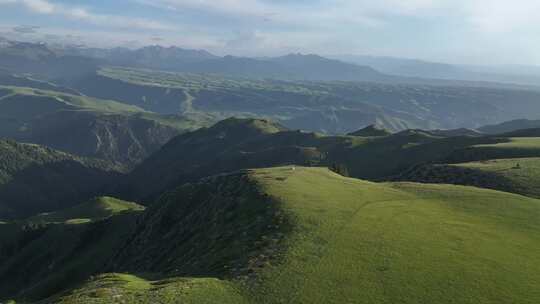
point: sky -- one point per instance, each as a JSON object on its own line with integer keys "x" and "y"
{"x": 452, "y": 31}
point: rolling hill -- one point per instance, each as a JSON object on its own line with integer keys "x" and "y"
{"x": 511, "y": 165}
{"x": 505, "y": 147}
{"x": 522, "y": 174}
{"x": 307, "y": 235}
{"x": 235, "y": 144}
{"x": 95, "y": 209}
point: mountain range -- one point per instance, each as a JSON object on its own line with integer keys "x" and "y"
{"x": 165, "y": 175}
{"x": 512, "y": 74}
{"x": 56, "y": 61}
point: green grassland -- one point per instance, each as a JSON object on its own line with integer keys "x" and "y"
{"x": 339, "y": 240}
{"x": 523, "y": 173}
{"x": 83, "y": 102}
{"x": 513, "y": 147}
{"x": 509, "y": 164}
{"x": 123, "y": 288}
{"x": 526, "y": 143}
{"x": 96, "y": 209}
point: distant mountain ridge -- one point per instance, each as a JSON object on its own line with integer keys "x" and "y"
{"x": 510, "y": 126}
{"x": 157, "y": 57}
{"x": 60, "y": 62}
{"x": 289, "y": 67}
{"x": 38, "y": 57}
{"x": 524, "y": 75}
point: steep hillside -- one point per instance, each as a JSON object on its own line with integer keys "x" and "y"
{"x": 38, "y": 261}
{"x": 229, "y": 145}
{"x": 86, "y": 126}
{"x": 35, "y": 179}
{"x": 118, "y": 138}
{"x": 307, "y": 235}
{"x": 235, "y": 144}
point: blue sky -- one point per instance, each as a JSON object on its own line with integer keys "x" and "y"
{"x": 455, "y": 31}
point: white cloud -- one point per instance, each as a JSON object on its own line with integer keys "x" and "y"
{"x": 236, "y": 7}
{"x": 114, "y": 21}
{"x": 488, "y": 15}
{"x": 81, "y": 14}
{"x": 39, "y": 6}
{"x": 502, "y": 16}
{"x": 433, "y": 29}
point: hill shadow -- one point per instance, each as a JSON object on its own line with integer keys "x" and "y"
{"x": 53, "y": 186}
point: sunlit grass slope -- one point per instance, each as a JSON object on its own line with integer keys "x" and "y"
{"x": 351, "y": 241}
{"x": 513, "y": 147}
{"x": 401, "y": 243}
{"x": 522, "y": 173}
{"x": 123, "y": 288}
{"x": 96, "y": 209}
{"x": 15, "y": 94}
{"x": 518, "y": 143}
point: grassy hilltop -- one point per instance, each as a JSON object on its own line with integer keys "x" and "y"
{"x": 234, "y": 144}
{"x": 328, "y": 239}
{"x": 96, "y": 209}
